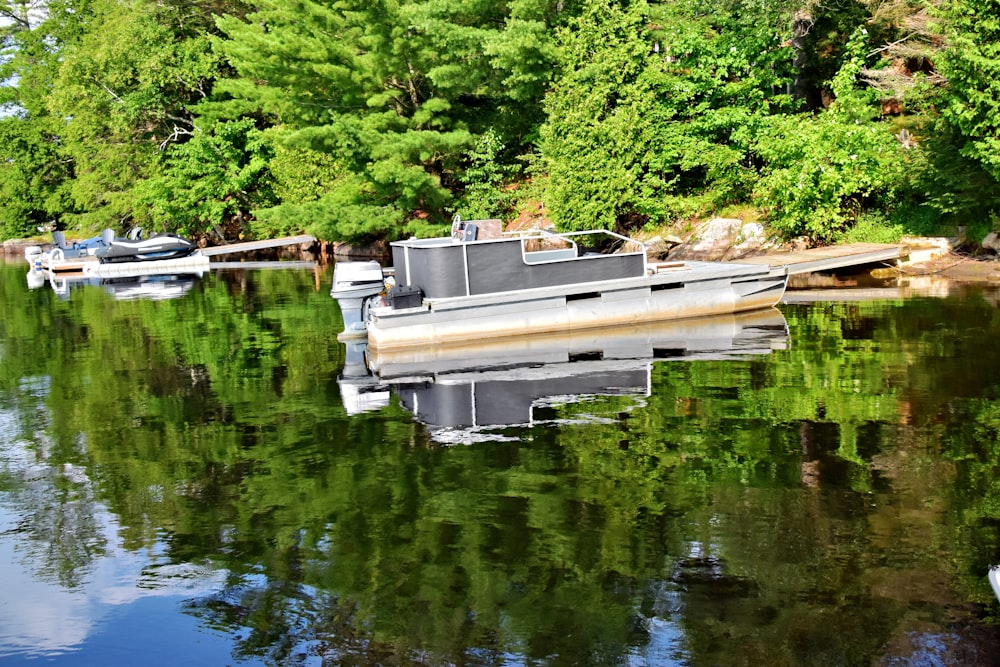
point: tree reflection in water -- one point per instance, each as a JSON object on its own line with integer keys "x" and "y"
{"x": 833, "y": 501}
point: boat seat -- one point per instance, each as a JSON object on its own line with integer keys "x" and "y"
{"x": 108, "y": 237}
{"x": 59, "y": 238}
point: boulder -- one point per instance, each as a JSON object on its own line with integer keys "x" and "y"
{"x": 724, "y": 239}
{"x": 751, "y": 239}
{"x": 991, "y": 242}
{"x": 657, "y": 248}
{"x": 711, "y": 241}
{"x": 928, "y": 248}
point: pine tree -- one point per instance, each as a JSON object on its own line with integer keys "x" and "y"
{"x": 396, "y": 92}
{"x": 971, "y": 64}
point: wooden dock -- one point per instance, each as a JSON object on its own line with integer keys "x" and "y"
{"x": 248, "y": 246}
{"x": 833, "y": 257}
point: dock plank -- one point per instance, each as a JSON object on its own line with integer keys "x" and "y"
{"x": 247, "y": 246}
{"x": 832, "y": 257}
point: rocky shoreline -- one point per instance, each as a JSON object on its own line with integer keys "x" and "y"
{"x": 949, "y": 258}
{"x": 718, "y": 239}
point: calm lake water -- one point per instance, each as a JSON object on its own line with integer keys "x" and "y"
{"x": 214, "y": 479}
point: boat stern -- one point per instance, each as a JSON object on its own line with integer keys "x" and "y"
{"x": 354, "y": 283}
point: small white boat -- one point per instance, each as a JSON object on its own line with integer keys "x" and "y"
{"x": 108, "y": 255}
{"x": 461, "y": 288}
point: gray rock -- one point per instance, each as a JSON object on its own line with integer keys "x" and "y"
{"x": 657, "y": 248}
{"x": 723, "y": 239}
{"x": 991, "y": 242}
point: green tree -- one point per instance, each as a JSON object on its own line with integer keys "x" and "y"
{"x": 397, "y": 93}
{"x": 654, "y": 110}
{"x": 123, "y": 105}
{"x": 216, "y": 177}
{"x": 602, "y": 115}
{"x": 971, "y": 64}
{"x": 30, "y": 176}
{"x": 107, "y": 106}
{"x": 31, "y": 168}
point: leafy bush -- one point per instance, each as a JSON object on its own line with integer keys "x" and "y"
{"x": 820, "y": 173}
{"x": 872, "y": 228}
{"x": 486, "y": 179}
{"x": 219, "y": 174}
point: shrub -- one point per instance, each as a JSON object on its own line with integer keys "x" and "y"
{"x": 821, "y": 173}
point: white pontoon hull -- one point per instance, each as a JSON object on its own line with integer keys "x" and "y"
{"x": 703, "y": 291}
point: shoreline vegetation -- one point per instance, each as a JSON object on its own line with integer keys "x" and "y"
{"x": 955, "y": 259}
{"x": 242, "y": 119}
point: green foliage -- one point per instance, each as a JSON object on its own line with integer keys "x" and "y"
{"x": 396, "y": 94}
{"x": 300, "y": 174}
{"x": 122, "y": 104}
{"x": 959, "y": 187}
{"x": 110, "y": 83}
{"x": 30, "y": 176}
{"x": 871, "y": 228}
{"x": 852, "y": 102}
{"x": 971, "y": 63}
{"x": 821, "y": 173}
{"x": 907, "y": 219}
{"x": 656, "y": 105}
{"x": 601, "y": 116}
{"x": 214, "y": 177}
{"x": 634, "y": 114}
{"x": 486, "y": 179}
{"x": 347, "y": 211}
{"x": 321, "y": 197}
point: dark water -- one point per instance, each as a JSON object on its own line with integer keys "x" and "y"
{"x": 201, "y": 480}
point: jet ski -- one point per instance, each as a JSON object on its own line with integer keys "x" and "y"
{"x": 135, "y": 248}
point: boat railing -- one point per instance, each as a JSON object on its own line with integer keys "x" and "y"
{"x": 543, "y": 245}
{"x": 452, "y": 267}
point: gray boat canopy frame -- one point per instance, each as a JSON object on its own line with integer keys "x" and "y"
{"x": 464, "y": 265}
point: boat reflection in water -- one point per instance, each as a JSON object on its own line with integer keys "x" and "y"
{"x": 154, "y": 286}
{"x": 470, "y": 392}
